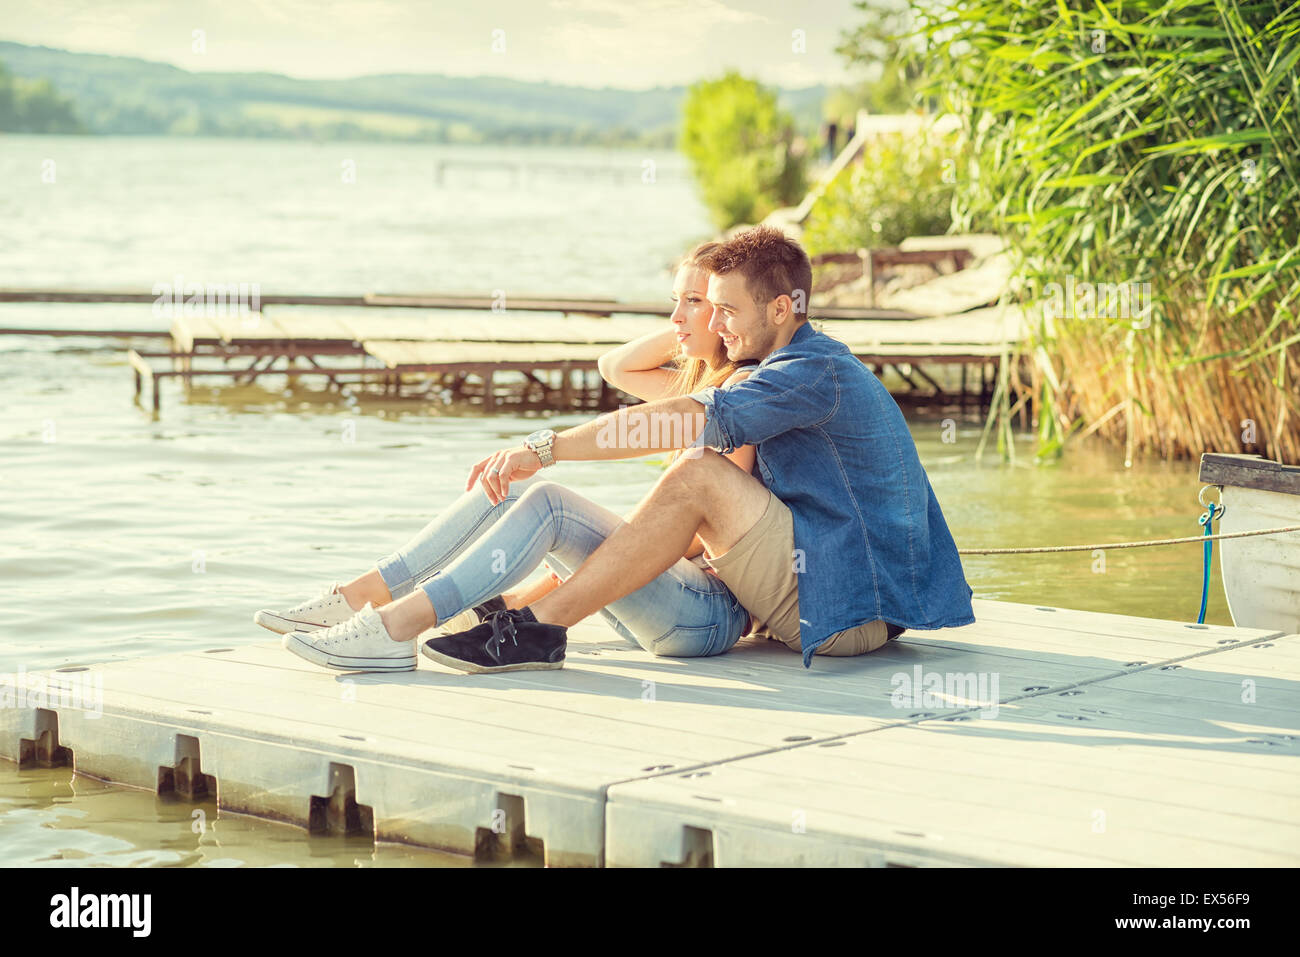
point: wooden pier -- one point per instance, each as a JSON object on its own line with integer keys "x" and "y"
{"x": 553, "y": 359}
{"x": 541, "y": 351}
{"x": 1054, "y": 737}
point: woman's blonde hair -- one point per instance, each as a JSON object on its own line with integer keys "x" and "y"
{"x": 691, "y": 374}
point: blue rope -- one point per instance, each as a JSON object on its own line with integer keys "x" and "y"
{"x": 1207, "y": 520}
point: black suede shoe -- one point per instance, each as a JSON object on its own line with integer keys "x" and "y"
{"x": 512, "y": 640}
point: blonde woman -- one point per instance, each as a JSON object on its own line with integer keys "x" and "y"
{"x": 482, "y": 545}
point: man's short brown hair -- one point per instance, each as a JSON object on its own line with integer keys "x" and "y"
{"x": 772, "y": 263}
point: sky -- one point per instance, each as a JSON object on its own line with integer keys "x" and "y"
{"x": 633, "y": 44}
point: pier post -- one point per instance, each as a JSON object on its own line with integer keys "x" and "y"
{"x": 566, "y": 386}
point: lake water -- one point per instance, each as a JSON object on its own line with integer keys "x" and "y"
{"x": 124, "y": 536}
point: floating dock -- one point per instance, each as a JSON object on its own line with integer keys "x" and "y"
{"x": 446, "y": 352}
{"x": 548, "y": 346}
{"x": 1036, "y": 737}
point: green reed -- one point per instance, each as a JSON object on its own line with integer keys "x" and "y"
{"x": 1142, "y": 142}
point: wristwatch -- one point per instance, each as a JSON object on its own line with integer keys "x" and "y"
{"x": 541, "y": 442}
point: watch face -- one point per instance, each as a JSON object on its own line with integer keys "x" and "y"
{"x": 540, "y": 436}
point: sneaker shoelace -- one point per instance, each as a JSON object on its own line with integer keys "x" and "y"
{"x": 503, "y": 627}
{"x": 326, "y": 592}
{"x": 344, "y": 630}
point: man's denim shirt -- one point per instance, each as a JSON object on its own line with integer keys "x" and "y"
{"x": 870, "y": 539}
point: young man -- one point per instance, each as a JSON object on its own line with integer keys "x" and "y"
{"x": 839, "y": 547}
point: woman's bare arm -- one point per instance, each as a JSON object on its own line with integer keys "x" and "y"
{"x": 634, "y": 366}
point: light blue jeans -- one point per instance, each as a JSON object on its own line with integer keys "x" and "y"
{"x": 474, "y": 550}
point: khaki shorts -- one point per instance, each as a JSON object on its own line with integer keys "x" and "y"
{"x": 759, "y": 570}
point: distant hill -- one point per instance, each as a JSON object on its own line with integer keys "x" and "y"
{"x": 125, "y": 95}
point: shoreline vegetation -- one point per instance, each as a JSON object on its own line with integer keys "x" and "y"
{"x": 1156, "y": 145}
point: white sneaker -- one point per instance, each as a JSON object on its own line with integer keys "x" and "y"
{"x": 361, "y": 643}
{"x": 326, "y": 609}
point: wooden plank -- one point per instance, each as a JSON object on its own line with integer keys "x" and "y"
{"x": 1166, "y": 767}
{"x": 991, "y": 327}
{"x": 569, "y": 305}
{"x": 982, "y": 245}
{"x": 519, "y": 303}
{"x": 906, "y": 257}
{"x": 840, "y": 313}
{"x": 313, "y": 326}
{"x": 253, "y": 327}
{"x": 897, "y": 256}
{"x": 143, "y": 371}
{"x": 502, "y": 328}
{"x": 396, "y": 353}
{"x": 118, "y": 295}
{"x": 104, "y": 333}
{"x": 1249, "y": 471}
{"x": 75, "y": 295}
{"x": 415, "y": 327}
{"x": 977, "y": 286}
{"x": 901, "y": 352}
{"x": 189, "y": 331}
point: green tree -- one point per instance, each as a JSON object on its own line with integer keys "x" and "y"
{"x": 8, "y": 114}
{"x": 43, "y": 110}
{"x": 740, "y": 146}
{"x": 882, "y": 48}
{"x": 34, "y": 106}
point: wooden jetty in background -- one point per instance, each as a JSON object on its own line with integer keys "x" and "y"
{"x": 465, "y": 354}
{"x": 549, "y": 346}
{"x": 1054, "y": 738}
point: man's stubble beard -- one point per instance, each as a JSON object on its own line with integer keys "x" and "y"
{"x": 762, "y": 350}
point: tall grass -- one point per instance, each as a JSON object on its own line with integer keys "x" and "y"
{"x": 1148, "y": 141}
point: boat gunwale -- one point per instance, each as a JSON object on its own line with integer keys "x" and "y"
{"x": 1249, "y": 471}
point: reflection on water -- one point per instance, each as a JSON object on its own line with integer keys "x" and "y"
{"x": 50, "y": 817}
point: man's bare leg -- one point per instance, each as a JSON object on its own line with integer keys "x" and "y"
{"x": 706, "y": 495}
